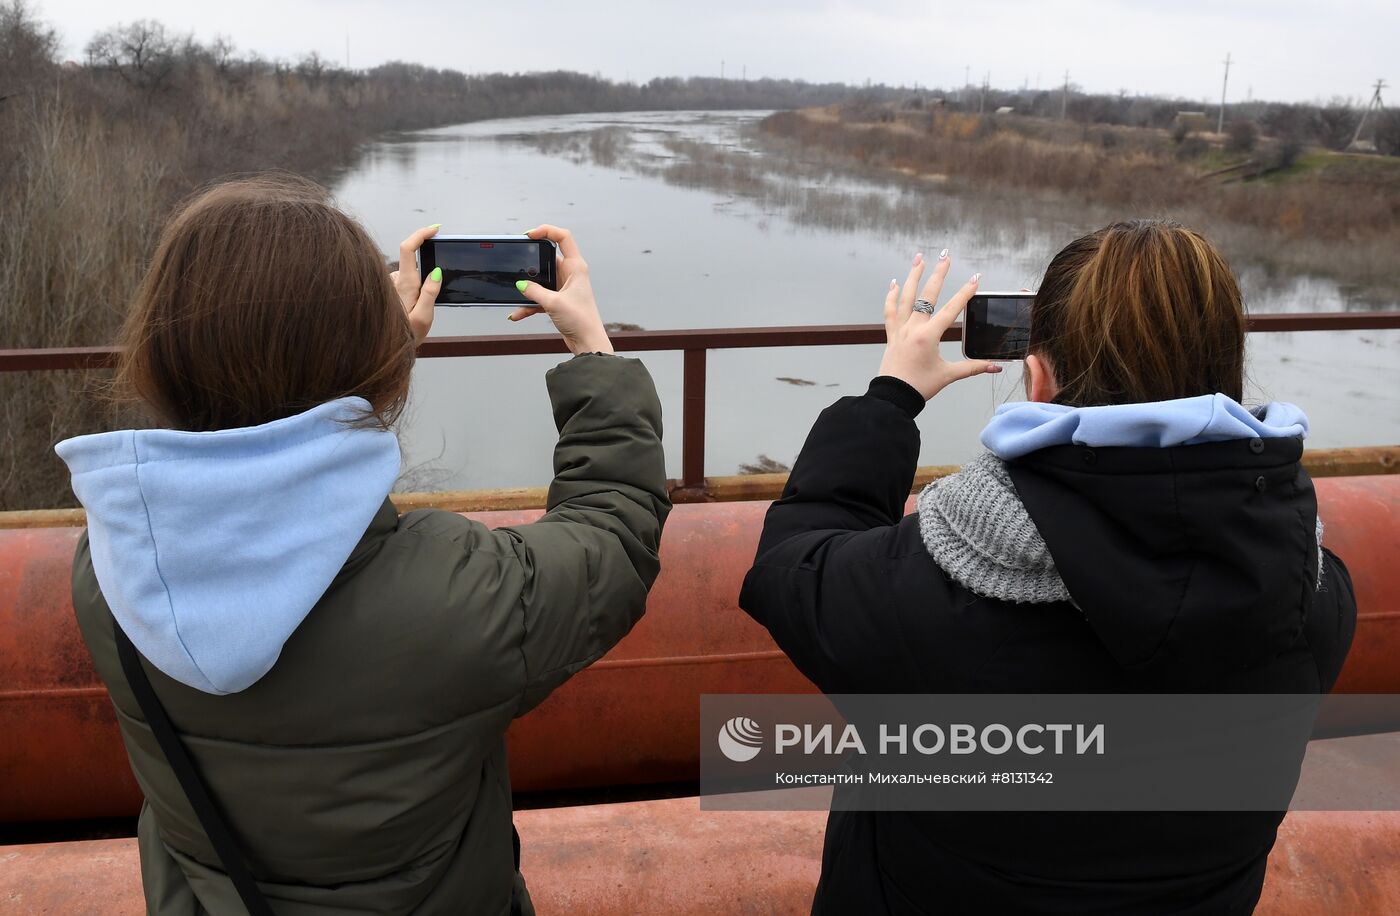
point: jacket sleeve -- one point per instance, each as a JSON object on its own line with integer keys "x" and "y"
{"x": 821, "y": 581}
{"x": 590, "y": 561}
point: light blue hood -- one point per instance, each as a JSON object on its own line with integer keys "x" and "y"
{"x": 212, "y": 547}
{"x": 1024, "y": 427}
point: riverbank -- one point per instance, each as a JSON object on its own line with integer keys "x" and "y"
{"x": 1280, "y": 207}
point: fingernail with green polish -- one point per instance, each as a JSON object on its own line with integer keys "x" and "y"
{"x": 436, "y": 275}
{"x": 521, "y": 284}
{"x": 436, "y": 226}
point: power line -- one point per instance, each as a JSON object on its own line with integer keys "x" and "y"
{"x": 1220, "y": 122}
{"x": 1374, "y": 103}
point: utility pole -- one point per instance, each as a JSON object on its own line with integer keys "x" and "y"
{"x": 347, "y": 50}
{"x": 1374, "y": 103}
{"x": 1064, "y": 97}
{"x": 1220, "y": 122}
{"x": 746, "y": 72}
{"x": 982, "y": 99}
{"x": 721, "y": 69}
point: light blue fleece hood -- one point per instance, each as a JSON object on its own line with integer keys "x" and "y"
{"x": 212, "y": 547}
{"x": 1024, "y": 427}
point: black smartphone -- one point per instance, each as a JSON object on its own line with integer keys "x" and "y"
{"x": 997, "y": 326}
{"x": 483, "y": 269}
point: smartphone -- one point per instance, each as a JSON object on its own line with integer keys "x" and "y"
{"x": 997, "y": 326}
{"x": 483, "y": 269}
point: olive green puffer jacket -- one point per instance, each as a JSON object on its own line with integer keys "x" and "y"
{"x": 366, "y": 771}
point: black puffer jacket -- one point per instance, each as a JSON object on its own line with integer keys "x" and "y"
{"x": 1195, "y": 570}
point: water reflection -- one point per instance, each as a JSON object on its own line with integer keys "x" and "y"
{"x": 693, "y": 220}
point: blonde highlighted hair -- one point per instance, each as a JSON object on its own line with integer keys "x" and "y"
{"x": 1146, "y": 310}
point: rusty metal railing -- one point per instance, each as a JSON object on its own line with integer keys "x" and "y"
{"x": 694, "y": 344}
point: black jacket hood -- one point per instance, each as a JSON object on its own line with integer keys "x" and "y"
{"x": 1188, "y": 562}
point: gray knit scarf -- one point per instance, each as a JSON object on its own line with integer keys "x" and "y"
{"x": 977, "y": 530}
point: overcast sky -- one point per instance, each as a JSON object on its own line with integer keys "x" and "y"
{"x": 1293, "y": 50}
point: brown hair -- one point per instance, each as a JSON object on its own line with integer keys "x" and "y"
{"x": 264, "y": 300}
{"x": 1145, "y": 310}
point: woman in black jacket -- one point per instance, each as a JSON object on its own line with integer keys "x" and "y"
{"x": 1131, "y": 528}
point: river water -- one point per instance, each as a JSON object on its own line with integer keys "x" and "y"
{"x": 689, "y": 220}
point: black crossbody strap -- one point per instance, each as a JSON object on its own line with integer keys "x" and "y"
{"x": 179, "y": 759}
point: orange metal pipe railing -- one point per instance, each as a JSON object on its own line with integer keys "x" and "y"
{"x": 630, "y": 719}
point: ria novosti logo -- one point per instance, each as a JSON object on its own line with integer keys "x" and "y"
{"x": 740, "y": 739}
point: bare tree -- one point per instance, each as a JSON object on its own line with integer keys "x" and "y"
{"x": 27, "y": 46}
{"x": 312, "y": 67}
{"x": 1388, "y": 132}
{"x": 221, "y": 51}
{"x": 1333, "y": 124}
{"x": 142, "y": 53}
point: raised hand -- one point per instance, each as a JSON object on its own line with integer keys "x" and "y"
{"x": 912, "y": 337}
{"x": 417, "y": 295}
{"x": 571, "y": 307}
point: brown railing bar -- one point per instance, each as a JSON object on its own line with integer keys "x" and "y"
{"x": 56, "y": 358}
{"x": 693, "y": 418}
{"x": 694, "y": 344}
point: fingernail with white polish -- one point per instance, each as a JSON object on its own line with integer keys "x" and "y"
{"x": 893, "y": 283}
{"x": 975, "y": 278}
{"x": 943, "y": 255}
{"x": 918, "y": 257}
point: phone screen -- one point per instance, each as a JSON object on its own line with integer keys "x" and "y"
{"x": 997, "y": 326}
{"x": 484, "y": 271}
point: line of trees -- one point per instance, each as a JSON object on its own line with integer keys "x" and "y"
{"x": 1330, "y": 125}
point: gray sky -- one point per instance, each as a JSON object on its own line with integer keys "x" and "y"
{"x": 1293, "y": 50}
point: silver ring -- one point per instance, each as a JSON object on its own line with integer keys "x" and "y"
{"x": 923, "y": 305}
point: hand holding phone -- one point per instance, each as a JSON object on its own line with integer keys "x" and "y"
{"x": 416, "y": 292}
{"x": 572, "y": 307}
{"x": 914, "y": 328}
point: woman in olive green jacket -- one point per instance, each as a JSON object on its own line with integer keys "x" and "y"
{"x": 341, "y": 675}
